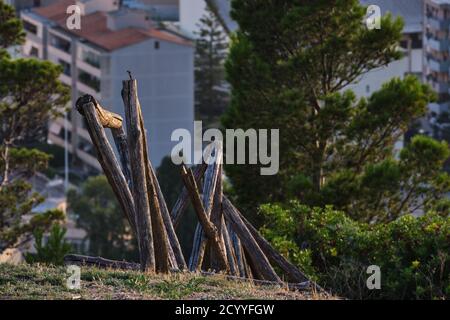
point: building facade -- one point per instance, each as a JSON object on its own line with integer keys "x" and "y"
{"x": 437, "y": 63}
{"x": 114, "y": 39}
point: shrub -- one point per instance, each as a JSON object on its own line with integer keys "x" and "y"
{"x": 412, "y": 253}
{"x": 53, "y": 251}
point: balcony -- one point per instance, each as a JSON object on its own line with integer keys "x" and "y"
{"x": 89, "y": 80}
{"x": 441, "y": 87}
{"x": 61, "y": 44}
{"x": 439, "y": 66}
{"x": 438, "y": 44}
{"x": 92, "y": 61}
{"x": 438, "y": 23}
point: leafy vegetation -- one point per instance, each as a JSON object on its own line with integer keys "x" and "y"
{"x": 98, "y": 212}
{"x": 289, "y": 66}
{"x": 413, "y": 253}
{"x": 53, "y": 251}
{"x": 30, "y": 95}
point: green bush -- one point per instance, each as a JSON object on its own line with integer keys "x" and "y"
{"x": 412, "y": 253}
{"x": 53, "y": 251}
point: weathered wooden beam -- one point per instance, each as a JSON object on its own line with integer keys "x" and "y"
{"x": 106, "y": 118}
{"x": 291, "y": 271}
{"x": 209, "y": 192}
{"x": 107, "y": 159}
{"x": 218, "y": 220}
{"x": 248, "y": 270}
{"x": 173, "y": 238}
{"x": 164, "y": 254}
{"x": 231, "y": 256}
{"x": 99, "y": 262}
{"x": 210, "y": 230}
{"x": 138, "y": 176}
{"x": 120, "y": 139}
{"x": 259, "y": 260}
{"x": 237, "y": 249}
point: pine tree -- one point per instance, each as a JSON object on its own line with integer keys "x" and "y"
{"x": 11, "y": 30}
{"x": 211, "y": 95}
{"x": 289, "y": 66}
{"x": 30, "y": 94}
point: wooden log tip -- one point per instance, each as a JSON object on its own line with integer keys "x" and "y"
{"x": 83, "y": 100}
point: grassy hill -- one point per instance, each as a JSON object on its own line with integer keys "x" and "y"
{"x": 47, "y": 282}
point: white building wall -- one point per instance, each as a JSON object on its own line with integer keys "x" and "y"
{"x": 373, "y": 80}
{"x": 190, "y": 13}
{"x": 165, "y": 87}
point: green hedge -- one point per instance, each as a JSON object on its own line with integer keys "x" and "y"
{"x": 412, "y": 253}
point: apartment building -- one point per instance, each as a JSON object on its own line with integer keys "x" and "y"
{"x": 437, "y": 53}
{"x": 113, "y": 39}
{"x": 161, "y": 10}
{"x": 411, "y": 11}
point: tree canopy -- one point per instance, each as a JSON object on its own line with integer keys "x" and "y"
{"x": 289, "y": 65}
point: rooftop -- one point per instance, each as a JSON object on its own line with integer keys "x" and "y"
{"x": 94, "y": 28}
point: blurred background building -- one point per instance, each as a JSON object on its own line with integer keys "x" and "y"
{"x": 115, "y": 37}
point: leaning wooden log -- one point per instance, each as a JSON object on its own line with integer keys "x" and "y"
{"x": 164, "y": 254}
{"x": 106, "y": 118}
{"x": 209, "y": 193}
{"x": 107, "y": 159}
{"x": 292, "y": 271}
{"x": 120, "y": 139}
{"x": 80, "y": 260}
{"x": 183, "y": 199}
{"x": 237, "y": 248}
{"x": 210, "y": 230}
{"x": 259, "y": 260}
{"x": 231, "y": 256}
{"x": 173, "y": 239}
{"x": 138, "y": 177}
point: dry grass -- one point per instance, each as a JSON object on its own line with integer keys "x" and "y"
{"x": 47, "y": 282}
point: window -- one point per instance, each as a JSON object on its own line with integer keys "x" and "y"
{"x": 90, "y": 58}
{"x": 156, "y": 45}
{"x": 66, "y": 67}
{"x": 416, "y": 39}
{"x": 367, "y": 89}
{"x": 34, "y": 52}
{"x": 30, "y": 27}
{"x": 89, "y": 80}
{"x": 60, "y": 43}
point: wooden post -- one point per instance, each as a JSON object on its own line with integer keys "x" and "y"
{"x": 292, "y": 271}
{"x": 209, "y": 191}
{"x": 231, "y": 256}
{"x": 120, "y": 139}
{"x": 210, "y": 230}
{"x": 138, "y": 177}
{"x": 107, "y": 159}
{"x": 238, "y": 253}
{"x": 183, "y": 199}
{"x": 173, "y": 239}
{"x": 259, "y": 260}
{"x": 163, "y": 250}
